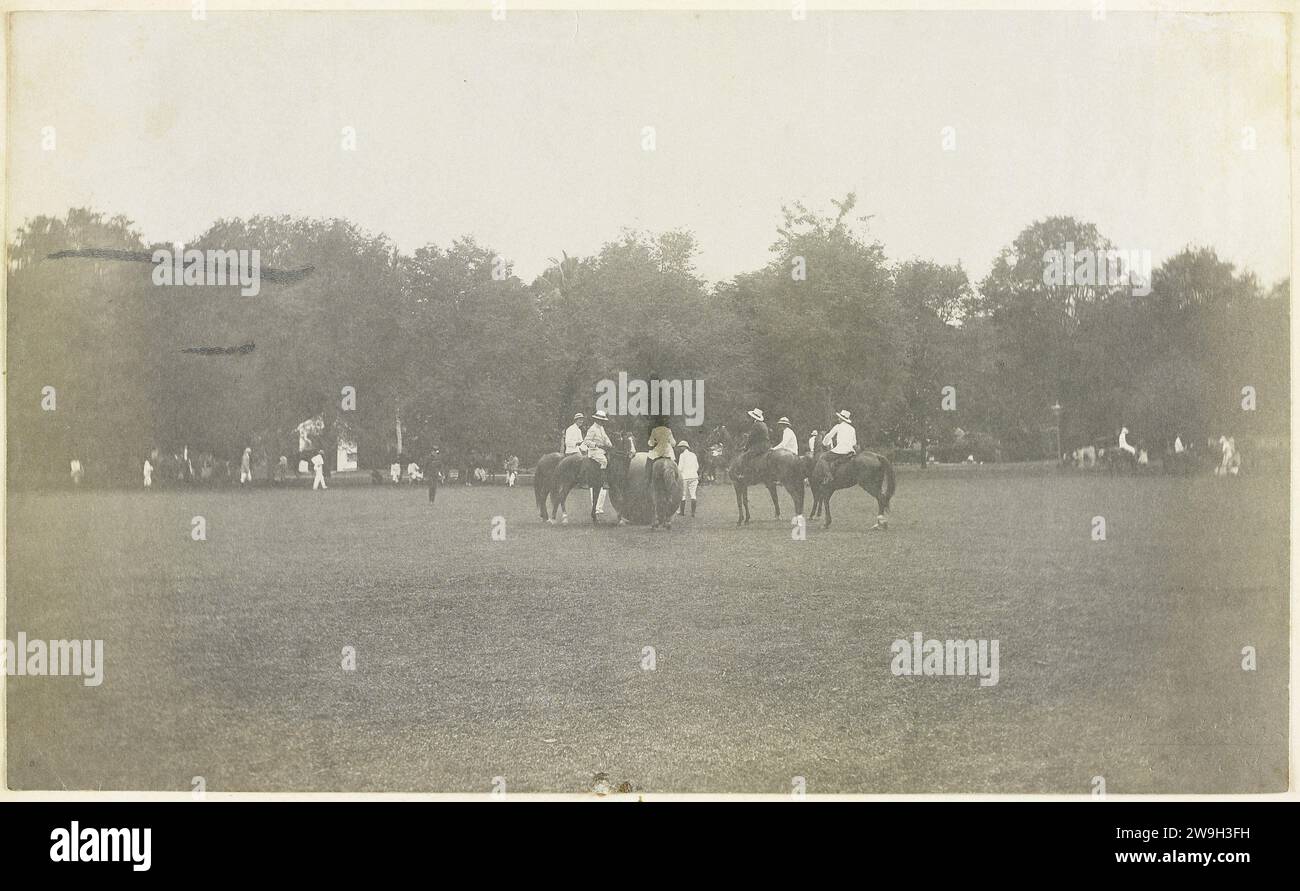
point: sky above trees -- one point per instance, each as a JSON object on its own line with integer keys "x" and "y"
{"x": 1163, "y": 130}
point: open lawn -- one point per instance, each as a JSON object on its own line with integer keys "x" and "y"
{"x": 523, "y": 658}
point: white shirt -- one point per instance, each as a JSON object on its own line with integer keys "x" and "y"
{"x": 572, "y": 439}
{"x": 318, "y": 462}
{"x": 841, "y": 439}
{"x": 789, "y": 441}
{"x": 596, "y": 442}
{"x": 1123, "y": 442}
{"x": 1178, "y": 445}
{"x": 688, "y": 465}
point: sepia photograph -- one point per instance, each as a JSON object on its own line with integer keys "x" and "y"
{"x": 614, "y": 403}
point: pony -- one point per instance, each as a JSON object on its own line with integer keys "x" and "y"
{"x": 555, "y": 478}
{"x": 773, "y": 467}
{"x": 544, "y": 479}
{"x": 871, "y": 471}
{"x": 665, "y": 492}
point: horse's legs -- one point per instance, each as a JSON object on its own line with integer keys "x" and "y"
{"x": 740, "y": 509}
{"x": 797, "y": 494}
{"x": 559, "y": 501}
{"x": 826, "y": 503}
{"x": 882, "y": 513}
{"x": 776, "y": 504}
{"x": 595, "y": 499}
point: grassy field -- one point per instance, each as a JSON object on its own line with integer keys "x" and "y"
{"x": 522, "y": 658}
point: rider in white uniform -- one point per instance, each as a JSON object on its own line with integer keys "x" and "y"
{"x": 789, "y": 442}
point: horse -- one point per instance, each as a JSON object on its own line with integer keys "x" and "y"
{"x": 769, "y": 468}
{"x": 573, "y": 470}
{"x": 543, "y": 479}
{"x": 869, "y": 470}
{"x": 665, "y": 492}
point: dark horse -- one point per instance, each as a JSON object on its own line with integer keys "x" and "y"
{"x": 544, "y": 479}
{"x": 665, "y": 492}
{"x": 872, "y": 472}
{"x": 556, "y": 474}
{"x": 768, "y": 469}
{"x": 572, "y": 471}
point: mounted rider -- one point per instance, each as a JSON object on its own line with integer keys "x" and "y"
{"x": 596, "y": 443}
{"x": 573, "y": 436}
{"x": 661, "y": 444}
{"x": 842, "y": 441}
{"x": 757, "y": 441}
{"x": 789, "y": 442}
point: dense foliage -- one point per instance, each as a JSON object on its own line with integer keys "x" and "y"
{"x": 448, "y": 346}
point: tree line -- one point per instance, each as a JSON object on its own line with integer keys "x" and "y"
{"x": 447, "y": 346}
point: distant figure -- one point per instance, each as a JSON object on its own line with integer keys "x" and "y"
{"x": 512, "y": 470}
{"x": 434, "y": 466}
{"x": 78, "y": 474}
{"x": 246, "y": 467}
{"x": 282, "y": 469}
{"x": 318, "y": 464}
{"x": 413, "y": 472}
{"x": 812, "y": 443}
{"x": 688, "y": 465}
{"x": 1124, "y": 443}
{"x": 148, "y": 474}
{"x": 395, "y": 472}
{"x": 1231, "y": 463}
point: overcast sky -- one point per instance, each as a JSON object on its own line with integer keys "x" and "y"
{"x": 527, "y": 133}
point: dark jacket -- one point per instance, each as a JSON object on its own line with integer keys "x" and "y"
{"x": 758, "y": 439}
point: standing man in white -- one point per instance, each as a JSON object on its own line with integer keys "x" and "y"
{"x": 688, "y": 465}
{"x": 318, "y": 464}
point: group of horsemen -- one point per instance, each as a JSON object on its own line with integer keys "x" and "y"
{"x": 839, "y": 444}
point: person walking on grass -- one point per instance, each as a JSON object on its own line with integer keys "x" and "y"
{"x": 433, "y": 472}
{"x": 318, "y": 464}
{"x": 246, "y": 467}
{"x": 688, "y": 465}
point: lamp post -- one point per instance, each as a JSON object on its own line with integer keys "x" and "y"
{"x": 1056, "y": 413}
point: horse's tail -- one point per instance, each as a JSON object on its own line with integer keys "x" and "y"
{"x": 887, "y": 490}
{"x": 542, "y": 480}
